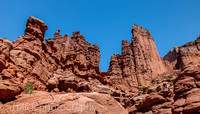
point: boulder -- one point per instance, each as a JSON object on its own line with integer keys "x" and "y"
{"x": 79, "y": 103}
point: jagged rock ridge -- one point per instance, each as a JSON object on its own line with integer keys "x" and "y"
{"x": 30, "y": 59}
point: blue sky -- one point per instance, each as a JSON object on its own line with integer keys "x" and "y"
{"x": 106, "y": 22}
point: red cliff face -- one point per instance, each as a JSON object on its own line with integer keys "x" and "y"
{"x": 183, "y": 55}
{"x": 139, "y": 62}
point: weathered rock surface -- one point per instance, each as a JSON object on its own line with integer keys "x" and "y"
{"x": 183, "y": 55}
{"x": 5, "y": 47}
{"x": 71, "y": 103}
{"x": 10, "y": 84}
{"x": 187, "y": 90}
{"x": 139, "y": 62}
{"x": 155, "y": 99}
{"x": 175, "y": 94}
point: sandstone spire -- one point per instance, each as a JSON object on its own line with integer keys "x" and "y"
{"x": 140, "y": 61}
{"x": 35, "y": 28}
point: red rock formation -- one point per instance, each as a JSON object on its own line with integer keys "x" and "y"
{"x": 40, "y": 61}
{"x": 138, "y": 79}
{"x": 5, "y": 47}
{"x": 30, "y": 59}
{"x": 172, "y": 95}
{"x": 10, "y": 84}
{"x": 183, "y": 55}
{"x": 172, "y": 57}
{"x": 77, "y": 54}
{"x": 29, "y": 53}
{"x": 139, "y": 62}
{"x": 187, "y": 90}
{"x": 157, "y": 98}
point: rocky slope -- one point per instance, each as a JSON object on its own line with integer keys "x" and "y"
{"x": 84, "y": 103}
{"x": 65, "y": 72}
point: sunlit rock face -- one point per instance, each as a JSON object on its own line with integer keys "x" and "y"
{"x": 183, "y": 55}
{"x": 139, "y": 62}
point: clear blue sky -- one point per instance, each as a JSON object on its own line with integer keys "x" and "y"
{"x": 106, "y": 22}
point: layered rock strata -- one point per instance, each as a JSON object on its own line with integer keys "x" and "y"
{"x": 182, "y": 55}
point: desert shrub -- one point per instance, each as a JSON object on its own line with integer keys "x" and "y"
{"x": 141, "y": 88}
{"x": 171, "y": 84}
{"x": 29, "y": 88}
{"x": 153, "y": 90}
{"x": 154, "y": 82}
{"x": 170, "y": 76}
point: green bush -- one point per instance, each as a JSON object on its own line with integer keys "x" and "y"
{"x": 154, "y": 82}
{"x": 141, "y": 88}
{"x": 170, "y": 76}
{"x": 171, "y": 84}
{"x": 29, "y": 88}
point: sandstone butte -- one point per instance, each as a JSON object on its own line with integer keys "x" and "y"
{"x": 67, "y": 79}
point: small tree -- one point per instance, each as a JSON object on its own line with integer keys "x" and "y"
{"x": 29, "y": 88}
